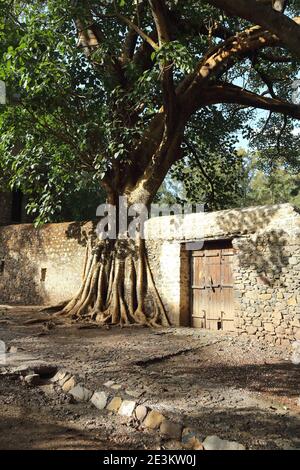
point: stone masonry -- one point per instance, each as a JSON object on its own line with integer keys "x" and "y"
{"x": 45, "y": 265}
{"x": 41, "y": 266}
{"x": 266, "y": 267}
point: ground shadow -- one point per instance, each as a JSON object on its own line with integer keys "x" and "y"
{"x": 280, "y": 379}
{"x": 255, "y": 428}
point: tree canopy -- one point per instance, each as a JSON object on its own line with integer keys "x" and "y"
{"x": 115, "y": 93}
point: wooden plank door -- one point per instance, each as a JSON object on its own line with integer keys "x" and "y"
{"x": 212, "y": 286}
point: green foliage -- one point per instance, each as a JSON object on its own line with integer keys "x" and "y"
{"x": 68, "y": 122}
{"x": 213, "y": 171}
{"x": 272, "y": 181}
{"x": 277, "y": 188}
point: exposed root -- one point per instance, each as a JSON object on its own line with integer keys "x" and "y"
{"x": 116, "y": 283}
{"x": 54, "y": 308}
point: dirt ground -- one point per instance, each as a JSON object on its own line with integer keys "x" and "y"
{"x": 234, "y": 387}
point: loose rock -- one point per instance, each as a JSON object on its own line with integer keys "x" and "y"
{"x": 114, "y": 404}
{"x": 81, "y": 393}
{"x": 61, "y": 377}
{"x": 127, "y": 408}
{"x": 191, "y": 440}
{"x": 153, "y": 420}
{"x": 141, "y": 412}
{"x": 116, "y": 387}
{"x": 215, "y": 443}
{"x": 32, "y": 379}
{"x": 133, "y": 393}
{"x": 109, "y": 383}
{"x": 170, "y": 430}
{"x": 172, "y": 445}
{"x": 99, "y": 400}
{"x": 69, "y": 384}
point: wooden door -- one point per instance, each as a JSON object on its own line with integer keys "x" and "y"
{"x": 212, "y": 286}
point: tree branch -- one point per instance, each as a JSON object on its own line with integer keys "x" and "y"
{"x": 90, "y": 38}
{"x": 264, "y": 77}
{"x": 224, "y": 56}
{"x": 275, "y": 58}
{"x": 160, "y": 16}
{"x": 285, "y": 28}
{"x": 131, "y": 38}
{"x": 192, "y": 27}
{"x": 225, "y": 93}
{"x": 193, "y": 150}
{"x": 141, "y": 33}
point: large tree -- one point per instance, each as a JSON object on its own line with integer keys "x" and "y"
{"x": 110, "y": 88}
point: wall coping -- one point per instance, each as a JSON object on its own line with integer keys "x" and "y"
{"x": 220, "y": 224}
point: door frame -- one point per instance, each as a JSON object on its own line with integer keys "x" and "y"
{"x": 192, "y": 248}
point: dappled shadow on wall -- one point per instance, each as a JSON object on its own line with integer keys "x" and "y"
{"x": 263, "y": 250}
{"x": 81, "y": 231}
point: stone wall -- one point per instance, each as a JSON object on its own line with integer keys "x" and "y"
{"x": 266, "y": 266}
{"x": 41, "y": 266}
{"x": 45, "y": 265}
{"x": 267, "y": 282}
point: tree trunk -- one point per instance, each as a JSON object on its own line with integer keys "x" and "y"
{"x": 116, "y": 284}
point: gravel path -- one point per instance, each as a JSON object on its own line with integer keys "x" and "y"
{"x": 221, "y": 384}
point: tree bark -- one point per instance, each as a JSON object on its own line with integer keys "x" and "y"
{"x": 285, "y": 28}
{"x": 118, "y": 286}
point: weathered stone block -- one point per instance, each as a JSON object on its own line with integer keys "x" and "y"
{"x": 141, "y": 412}
{"x": 251, "y": 330}
{"x": 69, "y": 384}
{"x": 277, "y": 315}
{"x": 99, "y": 400}
{"x": 61, "y": 377}
{"x": 215, "y": 443}
{"x": 269, "y": 327}
{"x": 191, "y": 440}
{"x": 265, "y": 297}
{"x": 170, "y": 430}
{"x": 127, "y": 408}
{"x": 114, "y": 404}
{"x": 81, "y": 393}
{"x": 153, "y": 420}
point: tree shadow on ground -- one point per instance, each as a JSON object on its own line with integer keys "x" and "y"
{"x": 282, "y": 380}
{"x": 255, "y": 428}
{"x": 25, "y": 431}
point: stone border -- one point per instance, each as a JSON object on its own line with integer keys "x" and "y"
{"x": 144, "y": 415}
